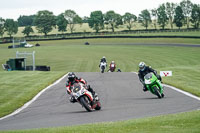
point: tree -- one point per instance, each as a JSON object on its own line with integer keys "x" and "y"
{"x": 179, "y": 17}
{"x": 195, "y": 16}
{"x": 11, "y": 27}
{"x": 27, "y": 30}
{"x": 72, "y": 19}
{"x": 129, "y": 19}
{"x": 26, "y": 20}
{"x": 45, "y": 21}
{"x": 96, "y": 20}
{"x": 145, "y": 18}
{"x": 61, "y": 22}
{"x": 85, "y": 19}
{"x": 186, "y": 6}
{"x": 162, "y": 16}
{"x": 154, "y": 14}
{"x": 113, "y": 20}
{"x": 2, "y": 22}
{"x": 170, "y": 10}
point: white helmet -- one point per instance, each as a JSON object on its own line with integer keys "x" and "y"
{"x": 112, "y": 62}
{"x": 142, "y": 66}
{"x": 104, "y": 57}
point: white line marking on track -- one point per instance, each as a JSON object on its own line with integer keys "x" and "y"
{"x": 31, "y": 101}
{"x": 184, "y": 92}
{"x": 179, "y": 90}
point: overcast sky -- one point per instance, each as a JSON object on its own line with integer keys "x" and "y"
{"x": 14, "y": 8}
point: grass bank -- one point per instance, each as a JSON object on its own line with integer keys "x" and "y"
{"x": 188, "y": 122}
{"x": 19, "y": 87}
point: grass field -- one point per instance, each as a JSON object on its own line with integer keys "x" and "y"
{"x": 72, "y": 55}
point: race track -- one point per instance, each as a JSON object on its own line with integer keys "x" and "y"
{"x": 121, "y": 97}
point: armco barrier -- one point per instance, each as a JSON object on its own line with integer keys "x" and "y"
{"x": 93, "y": 37}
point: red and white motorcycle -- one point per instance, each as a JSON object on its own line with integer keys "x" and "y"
{"x": 85, "y": 98}
{"x": 112, "y": 67}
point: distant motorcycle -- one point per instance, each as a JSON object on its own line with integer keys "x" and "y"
{"x": 85, "y": 98}
{"x": 153, "y": 85}
{"x": 112, "y": 68}
{"x": 102, "y": 66}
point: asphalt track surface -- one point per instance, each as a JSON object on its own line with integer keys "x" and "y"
{"x": 121, "y": 97}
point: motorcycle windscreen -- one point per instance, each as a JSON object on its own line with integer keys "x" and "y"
{"x": 76, "y": 88}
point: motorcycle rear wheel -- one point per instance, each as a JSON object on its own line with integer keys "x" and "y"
{"x": 98, "y": 107}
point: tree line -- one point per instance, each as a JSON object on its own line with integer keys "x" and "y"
{"x": 184, "y": 13}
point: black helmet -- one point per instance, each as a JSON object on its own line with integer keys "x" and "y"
{"x": 71, "y": 76}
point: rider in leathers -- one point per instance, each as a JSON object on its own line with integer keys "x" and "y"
{"x": 103, "y": 59}
{"x": 72, "y": 78}
{"x": 145, "y": 70}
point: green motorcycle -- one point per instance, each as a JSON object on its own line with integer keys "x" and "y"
{"x": 153, "y": 85}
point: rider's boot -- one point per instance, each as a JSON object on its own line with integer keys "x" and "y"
{"x": 94, "y": 94}
{"x": 145, "y": 88}
{"x": 72, "y": 99}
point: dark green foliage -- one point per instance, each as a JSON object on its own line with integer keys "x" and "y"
{"x": 154, "y": 13}
{"x": 186, "y": 6}
{"x": 72, "y": 19}
{"x": 162, "y": 16}
{"x": 145, "y": 18}
{"x": 113, "y": 19}
{"x": 45, "y": 21}
{"x": 2, "y": 21}
{"x": 96, "y": 20}
{"x": 11, "y": 27}
{"x": 195, "y": 17}
{"x": 179, "y": 17}
{"x": 170, "y": 11}
{"x": 61, "y": 22}
{"x": 129, "y": 19}
{"x": 27, "y": 30}
{"x": 26, "y": 20}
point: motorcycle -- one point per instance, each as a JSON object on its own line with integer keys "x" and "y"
{"x": 112, "y": 68}
{"x": 85, "y": 98}
{"x": 102, "y": 66}
{"x": 153, "y": 85}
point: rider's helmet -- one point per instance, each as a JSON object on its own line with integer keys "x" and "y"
{"x": 142, "y": 66}
{"x": 112, "y": 62}
{"x": 103, "y": 57}
{"x": 71, "y": 76}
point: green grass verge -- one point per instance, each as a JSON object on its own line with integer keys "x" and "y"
{"x": 188, "y": 122}
{"x": 19, "y": 87}
{"x": 72, "y": 55}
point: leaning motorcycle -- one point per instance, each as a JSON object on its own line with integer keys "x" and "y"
{"x": 85, "y": 98}
{"x": 153, "y": 85}
{"x": 102, "y": 66}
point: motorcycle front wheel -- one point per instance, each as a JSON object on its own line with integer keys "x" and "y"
{"x": 86, "y": 103}
{"x": 156, "y": 91}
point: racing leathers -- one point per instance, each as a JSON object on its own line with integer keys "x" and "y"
{"x": 103, "y": 60}
{"x": 147, "y": 70}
